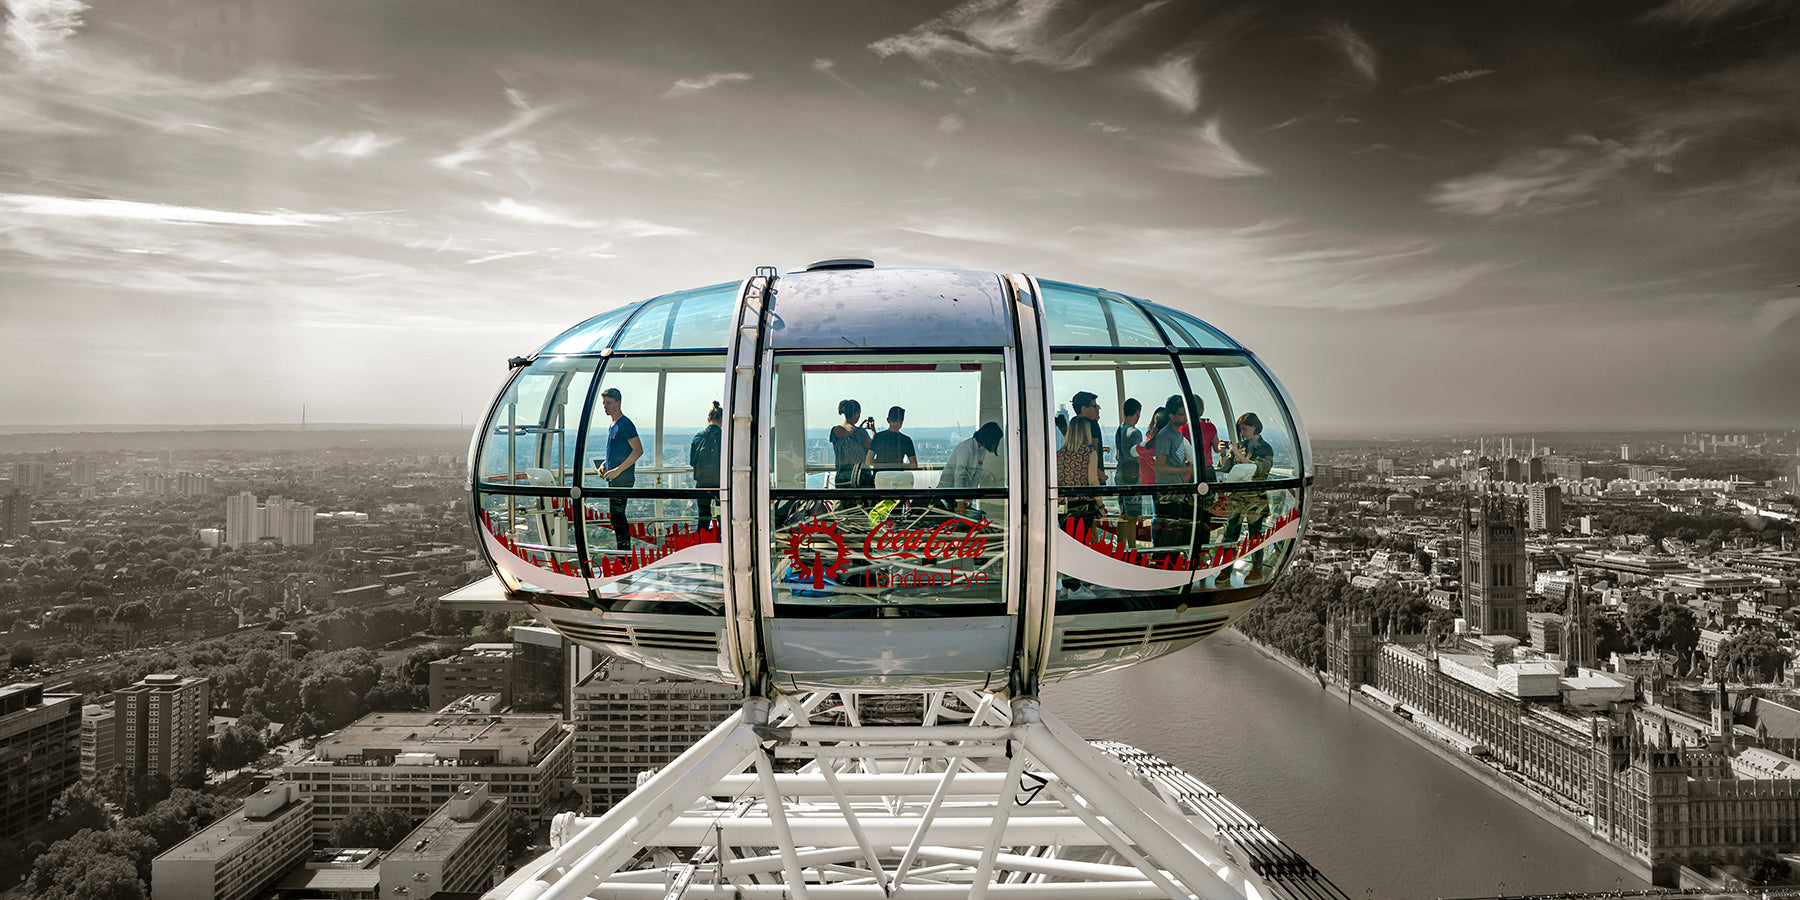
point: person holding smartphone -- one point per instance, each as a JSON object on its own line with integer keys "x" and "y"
{"x": 1248, "y": 506}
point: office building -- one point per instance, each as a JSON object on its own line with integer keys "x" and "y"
{"x": 455, "y": 849}
{"x": 418, "y": 761}
{"x": 240, "y": 855}
{"x": 478, "y": 669}
{"x": 629, "y": 718}
{"x": 97, "y": 740}
{"x": 1493, "y": 566}
{"x": 160, "y": 724}
{"x": 1546, "y": 507}
{"x": 40, "y": 753}
{"x": 542, "y": 667}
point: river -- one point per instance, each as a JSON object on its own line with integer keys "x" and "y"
{"x": 1379, "y": 815}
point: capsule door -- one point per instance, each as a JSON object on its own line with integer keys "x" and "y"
{"x": 890, "y": 519}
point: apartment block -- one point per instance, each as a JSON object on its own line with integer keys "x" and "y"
{"x": 240, "y": 855}
{"x": 160, "y": 723}
{"x": 40, "y": 753}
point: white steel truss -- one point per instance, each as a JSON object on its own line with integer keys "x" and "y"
{"x": 979, "y": 799}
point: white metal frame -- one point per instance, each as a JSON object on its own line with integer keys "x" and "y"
{"x": 981, "y": 799}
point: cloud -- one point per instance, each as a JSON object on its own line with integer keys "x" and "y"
{"x": 37, "y": 29}
{"x": 1174, "y": 79}
{"x": 1450, "y": 78}
{"x": 706, "y": 82}
{"x": 1690, "y": 12}
{"x": 535, "y": 214}
{"x": 360, "y": 145}
{"x": 951, "y": 123}
{"x": 132, "y": 210}
{"x": 828, "y": 68}
{"x": 1549, "y": 178}
{"x": 477, "y": 148}
{"x": 1049, "y": 33}
{"x": 1105, "y": 127}
{"x": 1356, "y": 50}
{"x": 1204, "y": 152}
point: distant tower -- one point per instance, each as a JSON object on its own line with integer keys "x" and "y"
{"x": 1493, "y": 566}
{"x": 1546, "y": 507}
{"x": 1625, "y": 452}
{"x": 1578, "y": 629}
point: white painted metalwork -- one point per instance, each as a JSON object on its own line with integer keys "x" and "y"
{"x": 1000, "y": 800}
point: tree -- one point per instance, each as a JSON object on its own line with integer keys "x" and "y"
{"x": 1753, "y": 655}
{"x": 518, "y": 833}
{"x": 382, "y": 828}
{"x": 237, "y": 746}
{"x": 182, "y": 813}
{"x": 22, "y": 655}
{"x": 61, "y": 873}
{"x": 81, "y": 805}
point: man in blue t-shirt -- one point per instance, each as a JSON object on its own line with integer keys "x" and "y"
{"x": 622, "y": 451}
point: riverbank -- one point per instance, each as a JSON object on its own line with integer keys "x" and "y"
{"x": 1565, "y": 821}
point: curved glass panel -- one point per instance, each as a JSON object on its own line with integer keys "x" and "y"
{"x": 646, "y": 545}
{"x": 860, "y": 526}
{"x": 889, "y": 308}
{"x": 699, "y": 319}
{"x": 1256, "y": 442}
{"x": 1083, "y": 317}
{"x": 1132, "y": 534}
{"x": 1304, "y": 439}
{"x": 593, "y": 335}
{"x": 530, "y": 438}
{"x": 1185, "y": 331}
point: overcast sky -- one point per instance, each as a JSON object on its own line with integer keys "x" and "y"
{"x": 1568, "y": 213}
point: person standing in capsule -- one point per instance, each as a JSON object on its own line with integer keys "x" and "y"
{"x": 622, "y": 451}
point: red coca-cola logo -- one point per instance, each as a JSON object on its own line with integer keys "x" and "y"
{"x": 957, "y": 538}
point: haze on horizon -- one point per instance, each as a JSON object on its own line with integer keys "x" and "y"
{"x": 1577, "y": 215}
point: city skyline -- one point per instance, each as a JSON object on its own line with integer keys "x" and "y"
{"x": 220, "y": 212}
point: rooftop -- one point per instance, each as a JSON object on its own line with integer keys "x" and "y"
{"x": 223, "y": 837}
{"x": 443, "y": 735}
{"x": 443, "y": 831}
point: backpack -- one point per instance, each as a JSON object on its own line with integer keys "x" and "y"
{"x": 703, "y": 454}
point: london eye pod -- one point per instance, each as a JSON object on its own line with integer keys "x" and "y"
{"x": 795, "y": 548}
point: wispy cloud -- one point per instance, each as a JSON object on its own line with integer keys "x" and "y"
{"x": 951, "y": 123}
{"x": 706, "y": 82}
{"x": 1105, "y": 127}
{"x": 1449, "y": 79}
{"x": 1203, "y": 151}
{"x": 100, "y": 208}
{"x": 828, "y": 68}
{"x": 480, "y": 147}
{"x": 1356, "y": 49}
{"x": 1046, "y": 32}
{"x": 36, "y": 29}
{"x": 360, "y": 145}
{"x": 1174, "y": 79}
{"x": 1551, "y": 178}
{"x": 1692, "y": 12}
{"x": 536, "y": 214}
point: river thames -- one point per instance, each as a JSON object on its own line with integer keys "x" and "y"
{"x": 1379, "y": 815}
